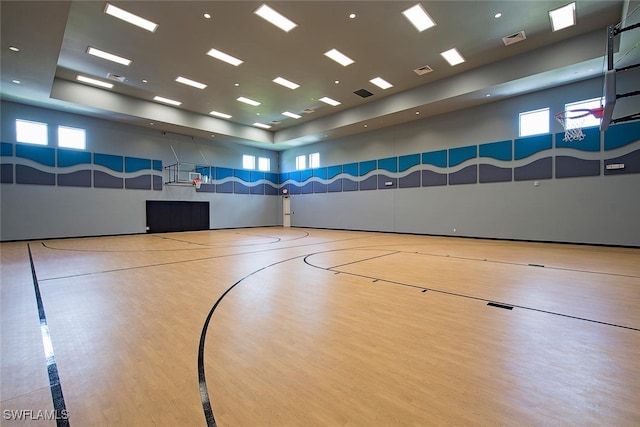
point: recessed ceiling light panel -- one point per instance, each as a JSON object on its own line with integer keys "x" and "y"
{"x": 277, "y": 19}
{"x": 419, "y": 17}
{"x": 286, "y": 83}
{"x": 189, "y": 82}
{"x": 166, "y": 100}
{"x": 292, "y": 115}
{"x": 89, "y": 80}
{"x": 224, "y": 57}
{"x": 108, "y": 56}
{"x": 248, "y": 101}
{"x": 339, "y": 57}
{"x": 381, "y": 83}
{"x": 453, "y": 57}
{"x": 563, "y": 17}
{"x": 262, "y": 125}
{"x": 130, "y": 18}
{"x": 329, "y": 101}
{"x": 222, "y": 115}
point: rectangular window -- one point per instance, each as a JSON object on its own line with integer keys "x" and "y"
{"x": 579, "y": 109}
{"x": 248, "y": 162}
{"x": 314, "y": 160}
{"x": 534, "y": 122}
{"x": 301, "y": 162}
{"x": 71, "y": 138}
{"x": 31, "y": 132}
{"x": 264, "y": 164}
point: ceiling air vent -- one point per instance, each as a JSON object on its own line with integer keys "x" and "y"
{"x": 275, "y": 122}
{"x": 514, "y": 38}
{"x": 308, "y": 111}
{"x": 115, "y": 77}
{"x": 425, "y": 69}
{"x": 363, "y": 93}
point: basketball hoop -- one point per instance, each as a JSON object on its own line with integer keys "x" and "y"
{"x": 197, "y": 182}
{"x": 573, "y": 120}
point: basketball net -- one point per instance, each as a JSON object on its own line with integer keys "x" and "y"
{"x": 197, "y": 182}
{"x": 573, "y": 120}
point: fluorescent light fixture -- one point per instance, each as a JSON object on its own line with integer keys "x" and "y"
{"x": 329, "y": 101}
{"x": 339, "y": 57}
{"x": 563, "y": 17}
{"x": 189, "y": 82}
{"x": 94, "y": 82}
{"x": 280, "y": 21}
{"x": 223, "y": 115}
{"x": 166, "y": 100}
{"x": 108, "y": 56}
{"x": 248, "y": 101}
{"x": 381, "y": 83}
{"x": 224, "y": 57}
{"x": 292, "y": 115}
{"x": 419, "y": 17}
{"x": 452, "y": 56}
{"x": 130, "y": 18}
{"x": 286, "y": 83}
{"x": 262, "y": 125}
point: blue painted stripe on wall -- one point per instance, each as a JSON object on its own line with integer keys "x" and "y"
{"x": 320, "y": 173}
{"x": 319, "y": 187}
{"x": 240, "y": 188}
{"x": 108, "y": 161}
{"x": 407, "y": 162}
{"x": 620, "y": 135}
{"x": 462, "y": 154}
{"x": 305, "y": 175}
{"x": 6, "y": 149}
{"x": 295, "y": 176}
{"x": 307, "y": 188}
{"x": 271, "y": 177}
{"x": 591, "y": 141}
{"x": 350, "y": 169}
{"x": 367, "y": 166}
{"x": 72, "y": 157}
{"x": 222, "y": 173}
{"x": 335, "y": 186}
{"x": 502, "y": 150}
{"x": 435, "y": 158}
{"x": 525, "y": 147}
{"x": 244, "y": 175}
{"x": 44, "y": 155}
{"x": 258, "y": 189}
{"x": 226, "y": 187}
{"x": 333, "y": 171}
{"x": 135, "y": 164}
{"x": 283, "y": 177}
{"x": 157, "y": 165}
{"x": 256, "y": 176}
{"x": 389, "y": 164}
{"x": 270, "y": 190}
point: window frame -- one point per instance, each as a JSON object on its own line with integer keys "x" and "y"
{"x": 27, "y": 135}
{"x": 530, "y": 113}
{"x": 70, "y": 128}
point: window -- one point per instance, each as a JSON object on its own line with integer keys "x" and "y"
{"x": 248, "y": 162}
{"x": 314, "y": 160}
{"x": 301, "y": 162}
{"x": 589, "y": 120}
{"x": 264, "y": 164}
{"x": 71, "y": 137}
{"x": 31, "y": 132}
{"x": 534, "y": 122}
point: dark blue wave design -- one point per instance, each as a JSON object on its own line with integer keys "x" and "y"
{"x": 225, "y": 187}
{"x": 349, "y": 185}
{"x": 620, "y": 135}
{"x": 539, "y": 169}
{"x": 491, "y": 173}
{"x": 631, "y": 163}
{"x": 142, "y": 182}
{"x": 468, "y": 175}
{"x": 29, "y": 175}
{"x": 570, "y": 167}
{"x": 6, "y": 173}
{"x": 335, "y": 186}
{"x": 157, "y": 182}
{"x": 409, "y": 181}
{"x": 370, "y": 183}
{"x": 382, "y": 181}
{"x": 319, "y": 187}
{"x": 307, "y": 188}
{"x": 75, "y": 179}
{"x": 206, "y": 188}
{"x": 240, "y": 188}
{"x": 433, "y": 179}
{"x": 258, "y": 189}
{"x": 270, "y": 190}
{"x": 44, "y": 155}
{"x": 104, "y": 180}
{"x": 109, "y": 161}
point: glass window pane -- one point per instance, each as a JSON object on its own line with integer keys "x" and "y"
{"x": 301, "y": 162}
{"x": 248, "y": 162}
{"x": 534, "y": 122}
{"x": 314, "y": 160}
{"x": 31, "y": 132}
{"x": 264, "y": 164}
{"x": 71, "y": 137}
{"x": 588, "y": 121}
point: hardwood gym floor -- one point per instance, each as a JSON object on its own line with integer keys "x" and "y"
{"x": 318, "y": 328}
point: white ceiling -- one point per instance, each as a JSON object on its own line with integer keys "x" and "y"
{"x": 53, "y": 38}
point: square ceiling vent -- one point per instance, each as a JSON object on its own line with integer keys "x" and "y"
{"x": 514, "y": 38}
{"x": 425, "y": 69}
{"x": 363, "y": 93}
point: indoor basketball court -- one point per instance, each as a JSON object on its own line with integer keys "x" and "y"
{"x": 457, "y": 246}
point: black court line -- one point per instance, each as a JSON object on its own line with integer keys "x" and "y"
{"x": 62, "y": 415}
